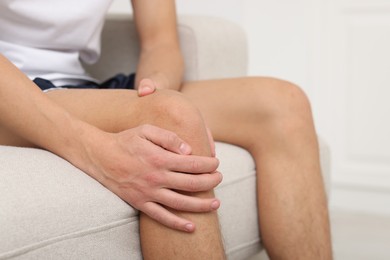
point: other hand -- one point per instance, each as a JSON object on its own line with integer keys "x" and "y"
{"x": 148, "y": 85}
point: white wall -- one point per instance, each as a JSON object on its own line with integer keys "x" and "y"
{"x": 273, "y": 47}
{"x": 230, "y": 9}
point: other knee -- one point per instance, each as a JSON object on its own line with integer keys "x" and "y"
{"x": 287, "y": 107}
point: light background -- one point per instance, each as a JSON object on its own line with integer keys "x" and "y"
{"x": 338, "y": 52}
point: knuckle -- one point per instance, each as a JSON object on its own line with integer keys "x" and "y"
{"x": 153, "y": 179}
{"x": 138, "y": 204}
{"x": 138, "y": 201}
{"x": 172, "y": 138}
{"x": 194, "y": 165}
{"x": 175, "y": 224}
{"x": 193, "y": 185}
{"x": 155, "y": 214}
{"x": 158, "y": 161}
{"x": 178, "y": 204}
{"x": 205, "y": 206}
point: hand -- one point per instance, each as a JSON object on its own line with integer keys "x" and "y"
{"x": 149, "y": 85}
{"x": 146, "y": 166}
{"x": 146, "y": 87}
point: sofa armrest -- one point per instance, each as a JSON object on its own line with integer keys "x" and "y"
{"x": 212, "y": 48}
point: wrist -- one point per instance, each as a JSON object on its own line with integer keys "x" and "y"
{"x": 164, "y": 64}
{"x": 78, "y": 145}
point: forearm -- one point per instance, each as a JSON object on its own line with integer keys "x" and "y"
{"x": 27, "y": 112}
{"x": 164, "y": 64}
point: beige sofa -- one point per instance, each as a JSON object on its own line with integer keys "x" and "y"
{"x": 51, "y": 210}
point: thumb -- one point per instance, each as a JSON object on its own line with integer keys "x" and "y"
{"x": 146, "y": 87}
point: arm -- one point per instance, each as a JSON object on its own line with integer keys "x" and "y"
{"x": 28, "y": 113}
{"x": 161, "y": 63}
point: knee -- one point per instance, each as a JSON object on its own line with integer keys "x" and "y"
{"x": 293, "y": 102}
{"x": 170, "y": 109}
{"x": 287, "y": 107}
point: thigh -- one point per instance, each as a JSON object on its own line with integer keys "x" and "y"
{"x": 107, "y": 109}
{"x": 227, "y": 104}
{"x": 237, "y": 109}
{"x": 120, "y": 109}
{"x": 115, "y": 110}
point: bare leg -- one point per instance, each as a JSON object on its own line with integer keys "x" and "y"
{"x": 117, "y": 110}
{"x": 275, "y": 124}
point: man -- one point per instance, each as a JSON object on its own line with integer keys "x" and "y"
{"x": 152, "y": 146}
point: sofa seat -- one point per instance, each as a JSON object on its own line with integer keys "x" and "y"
{"x": 51, "y": 210}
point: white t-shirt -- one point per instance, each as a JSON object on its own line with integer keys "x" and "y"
{"x": 47, "y": 38}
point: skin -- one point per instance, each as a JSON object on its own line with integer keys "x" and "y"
{"x": 164, "y": 170}
{"x": 280, "y": 134}
{"x": 80, "y": 139}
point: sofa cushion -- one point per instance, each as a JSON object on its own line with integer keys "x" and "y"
{"x": 238, "y": 211}
{"x": 51, "y": 210}
{"x": 46, "y": 201}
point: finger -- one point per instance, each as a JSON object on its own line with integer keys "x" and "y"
{"x": 191, "y": 163}
{"x": 166, "y": 139}
{"x": 187, "y": 203}
{"x": 193, "y": 183}
{"x": 167, "y": 218}
{"x": 146, "y": 87}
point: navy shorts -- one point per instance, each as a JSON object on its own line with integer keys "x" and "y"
{"x": 119, "y": 81}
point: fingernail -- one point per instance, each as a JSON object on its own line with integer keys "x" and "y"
{"x": 215, "y": 205}
{"x": 145, "y": 90}
{"x": 189, "y": 227}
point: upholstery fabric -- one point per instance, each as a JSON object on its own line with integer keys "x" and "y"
{"x": 51, "y": 210}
